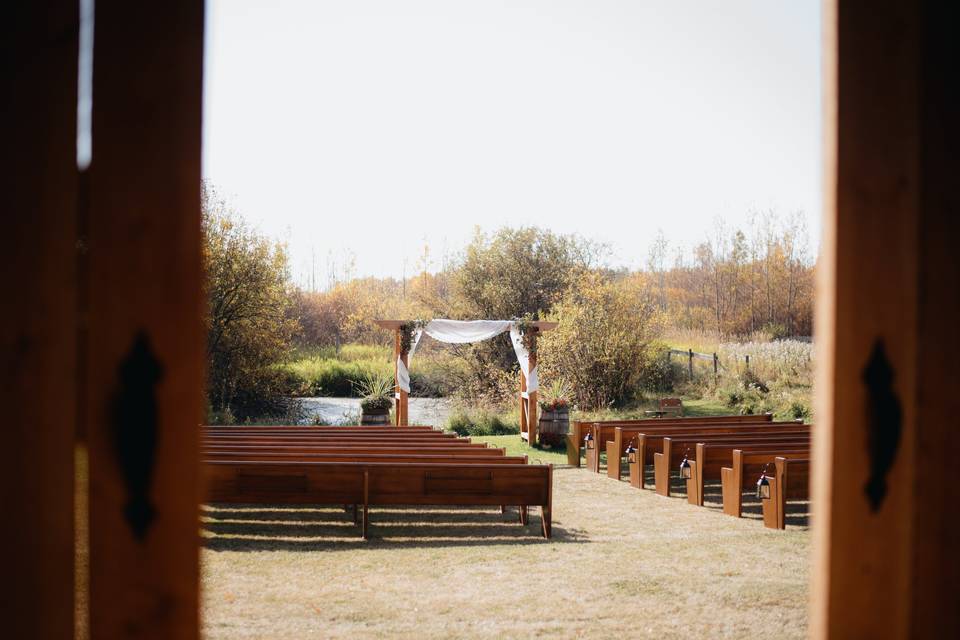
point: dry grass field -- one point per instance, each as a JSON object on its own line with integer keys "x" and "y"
{"x": 623, "y": 562}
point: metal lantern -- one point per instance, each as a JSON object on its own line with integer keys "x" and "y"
{"x": 685, "y": 468}
{"x": 588, "y": 440}
{"x": 631, "y": 453}
{"x": 763, "y": 487}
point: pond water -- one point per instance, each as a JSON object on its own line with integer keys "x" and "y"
{"x": 428, "y": 411}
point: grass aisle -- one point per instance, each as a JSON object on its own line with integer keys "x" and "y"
{"x": 623, "y": 563}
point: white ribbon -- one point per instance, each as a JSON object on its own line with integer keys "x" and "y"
{"x": 462, "y": 332}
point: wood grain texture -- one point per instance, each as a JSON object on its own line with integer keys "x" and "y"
{"x": 146, "y": 339}
{"x": 885, "y": 565}
{"x": 38, "y": 99}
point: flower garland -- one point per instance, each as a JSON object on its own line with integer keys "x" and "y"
{"x": 528, "y": 334}
{"x": 407, "y": 332}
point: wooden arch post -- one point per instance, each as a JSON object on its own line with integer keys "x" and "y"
{"x": 529, "y": 417}
{"x": 400, "y": 397}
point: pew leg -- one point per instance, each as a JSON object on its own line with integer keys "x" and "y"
{"x": 356, "y": 517}
{"x": 366, "y": 521}
{"x": 503, "y": 509}
{"x": 546, "y": 517}
{"x": 523, "y": 515}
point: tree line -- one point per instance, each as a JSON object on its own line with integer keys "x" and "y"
{"x": 611, "y": 320}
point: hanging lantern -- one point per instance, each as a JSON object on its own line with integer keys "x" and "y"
{"x": 685, "y": 468}
{"x": 588, "y": 440}
{"x": 763, "y": 487}
{"x": 631, "y": 453}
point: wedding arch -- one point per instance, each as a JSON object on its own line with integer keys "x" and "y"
{"x": 523, "y": 335}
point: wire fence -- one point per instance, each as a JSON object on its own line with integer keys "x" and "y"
{"x": 768, "y": 360}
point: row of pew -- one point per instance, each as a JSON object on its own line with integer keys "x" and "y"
{"x": 740, "y": 453}
{"x": 360, "y": 467}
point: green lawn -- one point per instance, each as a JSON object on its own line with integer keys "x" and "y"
{"x": 517, "y": 447}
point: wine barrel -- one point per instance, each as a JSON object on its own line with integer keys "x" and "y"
{"x": 375, "y": 418}
{"x": 554, "y": 426}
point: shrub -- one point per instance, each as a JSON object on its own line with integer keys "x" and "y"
{"x": 247, "y": 321}
{"x": 603, "y": 344}
{"x": 481, "y": 423}
{"x": 799, "y": 410}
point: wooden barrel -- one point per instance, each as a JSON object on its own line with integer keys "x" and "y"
{"x": 554, "y": 426}
{"x": 375, "y": 418}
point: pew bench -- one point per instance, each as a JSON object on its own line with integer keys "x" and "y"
{"x": 616, "y": 447}
{"x": 673, "y": 452}
{"x": 649, "y": 444}
{"x": 790, "y": 481}
{"x": 606, "y": 429}
{"x": 381, "y": 484}
{"x": 712, "y": 457}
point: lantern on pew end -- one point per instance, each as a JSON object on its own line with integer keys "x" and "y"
{"x": 631, "y": 453}
{"x": 685, "y": 469}
{"x": 588, "y": 440}
{"x": 763, "y": 486}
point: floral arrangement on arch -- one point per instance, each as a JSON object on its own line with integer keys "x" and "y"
{"x": 407, "y": 331}
{"x": 528, "y": 334}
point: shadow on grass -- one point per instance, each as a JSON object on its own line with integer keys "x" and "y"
{"x": 279, "y": 529}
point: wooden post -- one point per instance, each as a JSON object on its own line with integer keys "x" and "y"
{"x": 400, "y": 396}
{"x": 746, "y": 359}
{"x": 146, "y": 348}
{"x": 532, "y": 407}
{"x": 523, "y": 405}
{"x": 690, "y": 363}
{"x": 886, "y": 562}
{"x": 39, "y": 323}
{"x": 716, "y": 367}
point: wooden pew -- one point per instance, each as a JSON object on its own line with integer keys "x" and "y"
{"x": 352, "y": 438}
{"x": 790, "y": 481}
{"x": 346, "y": 441}
{"x": 711, "y": 457}
{"x": 342, "y": 456}
{"x": 606, "y": 430}
{"x": 386, "y": 483}
{"x": 745, "y": 468}
{"x": 369, "y": 448}
{"x": 616, "y": 446}
{"x": 311, "y": 428}
{"x": 649, "y": 440}
{"x": 673, "y": 450}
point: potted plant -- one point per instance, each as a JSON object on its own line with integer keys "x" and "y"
{"x": 555, "y": 412}
{"x": 376, "y": 392}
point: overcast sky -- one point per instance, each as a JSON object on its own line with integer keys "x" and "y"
{"x": 375, "y": 126}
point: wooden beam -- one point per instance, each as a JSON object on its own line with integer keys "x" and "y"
{"x": 392, "y": 325}
{"x": 146, "y": 337}
{"x": 38, "y": 327}
{"x": 886, "y": 562}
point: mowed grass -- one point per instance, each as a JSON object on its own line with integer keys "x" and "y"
{"x": 623, "y": 562}
{"x": 515, "y": 446}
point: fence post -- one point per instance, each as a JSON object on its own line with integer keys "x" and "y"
{"x": 716, "y": 367}
{"x": 747, "y": 358}
{"x": 690, "y": 363}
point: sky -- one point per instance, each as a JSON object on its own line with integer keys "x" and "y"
{"x": 359, "y": 131}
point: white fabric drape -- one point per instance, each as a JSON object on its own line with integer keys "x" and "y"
{"x": 403, "y": 373}
{"x": 464, "y": 331}
{"x": 523, "y": 356}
